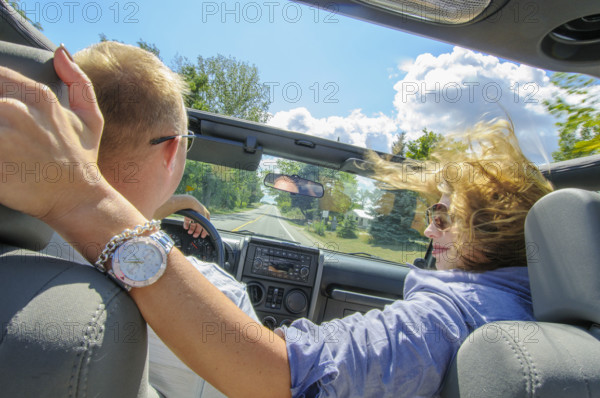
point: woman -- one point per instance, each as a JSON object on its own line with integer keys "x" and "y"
{"x": 477, "y": 229}
{"x": 401, "y": 351}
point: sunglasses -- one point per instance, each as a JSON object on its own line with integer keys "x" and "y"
{"x": 439, "y": 216}
{"x": 190, "y": 139}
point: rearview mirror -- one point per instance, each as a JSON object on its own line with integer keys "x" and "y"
{"x": 294, "y": 185}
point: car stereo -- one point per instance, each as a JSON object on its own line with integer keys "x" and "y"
{"x": 281, "y": 263}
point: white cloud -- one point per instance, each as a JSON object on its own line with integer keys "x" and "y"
{"x": 375, "y": 132}
{"x": 446, "y": 94}
{"x": 451, "y": 92}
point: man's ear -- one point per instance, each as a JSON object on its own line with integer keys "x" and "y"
{"x": 169, "y": 153}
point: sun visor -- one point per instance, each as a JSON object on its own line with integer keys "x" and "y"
{"x": 228, "y": 153}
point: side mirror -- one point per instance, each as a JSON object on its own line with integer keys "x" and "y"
{"x": 294, "y": 185}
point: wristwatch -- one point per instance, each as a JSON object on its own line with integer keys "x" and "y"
{"x": 141, "y": 260}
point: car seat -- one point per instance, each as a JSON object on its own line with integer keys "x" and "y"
{"x": 559, "y": 355}
{"x": 66, "y": 329}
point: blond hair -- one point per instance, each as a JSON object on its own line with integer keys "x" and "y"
{"x": 491, "y": 186}
{"x": 138, "y": 95}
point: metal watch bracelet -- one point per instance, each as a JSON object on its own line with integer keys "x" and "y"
{"x": 117, "y": 240}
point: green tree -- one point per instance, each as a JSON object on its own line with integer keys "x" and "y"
{"x": 399, "y": 145}
{"x": 395, "y": 210}
{"x": 231, "y": 87}
{"x": 393, "y": 218}
{"x": 347, "y": 228}
{"x": 198, "y": 85}
{"x": 579, "y": 122}
{"x": 420, "y": 148}
{"x": 151, "y": 47}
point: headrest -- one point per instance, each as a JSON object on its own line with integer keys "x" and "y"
{"x": 16, "y": 29}
{"x": 562, "y": 231}
{"x": 18, "y": 229}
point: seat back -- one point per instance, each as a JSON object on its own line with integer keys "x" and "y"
{"x": 558, "y": 356}
{"x": 66, "y": 329}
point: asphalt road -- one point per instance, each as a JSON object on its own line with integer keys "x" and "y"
{"x": 265, "y": 220}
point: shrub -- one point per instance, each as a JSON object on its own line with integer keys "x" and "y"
{"x": 347, "y": 228}
{"x": 319, "y": 228}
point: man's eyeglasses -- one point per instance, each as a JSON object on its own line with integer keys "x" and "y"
{"x": 439, "y": 216}
{"x": 190, "y": 139}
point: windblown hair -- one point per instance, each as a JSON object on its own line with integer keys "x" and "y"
{"x": 491, "y": 186}
{"x": 138, "y": 95}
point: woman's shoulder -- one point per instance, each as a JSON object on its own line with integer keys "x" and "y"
{"x": 497, "y": 294}
{"x": 508, "y": 277}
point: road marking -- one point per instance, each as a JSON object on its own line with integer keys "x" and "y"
{"x": 249, "y": 222}
{"x": 283, "y": 226}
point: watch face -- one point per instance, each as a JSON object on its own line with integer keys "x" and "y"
{"x": 139, "y": 262}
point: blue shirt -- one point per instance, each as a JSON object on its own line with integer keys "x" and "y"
{"x": 404, "y": 350}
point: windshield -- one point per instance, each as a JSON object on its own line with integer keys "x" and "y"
{"x": 312, "y": 70}
{"x": 353, "y": 216}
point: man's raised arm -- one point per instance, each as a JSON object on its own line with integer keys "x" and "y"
{"x": 205, "y": 329}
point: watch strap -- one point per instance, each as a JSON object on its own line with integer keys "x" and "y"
{"x": 161, "y": 238}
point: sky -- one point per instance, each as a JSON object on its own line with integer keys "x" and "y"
{"x": 328, "y": 75}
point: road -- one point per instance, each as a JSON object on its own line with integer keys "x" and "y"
{"x": 265, "y": 220}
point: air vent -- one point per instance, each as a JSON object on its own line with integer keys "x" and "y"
{"x": 577, "y": 40}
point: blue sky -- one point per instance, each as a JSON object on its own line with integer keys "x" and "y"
{"x": 330, "y": 75}
{"x": 339, "y": 64}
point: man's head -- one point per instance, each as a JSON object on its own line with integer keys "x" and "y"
{"x": 141, "y": 99}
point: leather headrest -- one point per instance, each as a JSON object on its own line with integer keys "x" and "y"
{"x": 14, "y": 28}
{"x": 18, "y": 229}
{"x": 562, "y": 231}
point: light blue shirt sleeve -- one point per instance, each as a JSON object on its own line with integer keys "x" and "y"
{"x": 226, "y": 283}
{"x": 398, "y": 352}
{"x": 403, "y": 350}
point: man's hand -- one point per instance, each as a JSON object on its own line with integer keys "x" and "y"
{"x": 179, "y": 202}
{"x": 48, "y": 151}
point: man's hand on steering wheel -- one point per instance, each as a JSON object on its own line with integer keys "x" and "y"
{"x": 194, "y": 228}
{"x": 179, "y": 202}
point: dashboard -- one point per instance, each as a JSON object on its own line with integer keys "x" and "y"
{"x": 286, "y": 281}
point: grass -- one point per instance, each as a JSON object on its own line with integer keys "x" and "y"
{"x": 223, "y": 211}
{"x": 403, "y": 252}
{"x": 234, "y": 210}
{"x": 294, "y": 216}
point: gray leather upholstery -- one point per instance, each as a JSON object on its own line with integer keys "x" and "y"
{"x": 563, "y": 240}
{"x": 545, "y": 358}
{"x": 16, "y": 29}
{"x": 16, "y": 228}
{"x": 66, "y": 329}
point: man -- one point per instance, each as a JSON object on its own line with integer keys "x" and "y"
{"x": 142, "y": 154}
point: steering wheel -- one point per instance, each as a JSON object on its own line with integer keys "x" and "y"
{"x": 213, "y": 234}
